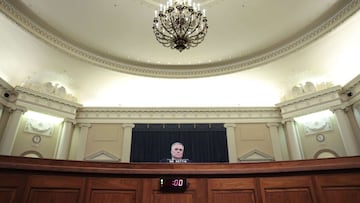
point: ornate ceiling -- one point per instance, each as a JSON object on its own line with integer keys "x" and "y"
{"x": 254, "y": 44}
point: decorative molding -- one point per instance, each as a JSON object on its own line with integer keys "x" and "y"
{"x": 102, "y": 156}
{"x": 317, "y": 126}
{"x": 169, "y": 72}
{"x": 256, "y": 156}
{"x": 229, "y": 125}
{"x": 178, "y": 115}
{"x": 70, "y": 120}
{"x": 128, "y": 125}
{"x": 327, "y": 152}
{"x": 83, "y": 125}
{"x": 305, "y": 89}
{"x": 32, "y": 154}
{"x": 273, "y": 125}
{"x": 51, "y": 89}
{"x": 45, "y": 103}
{"x": 311, "y": 103}
{"x": 39, "y": 127}
{"x": 317, "y": 101}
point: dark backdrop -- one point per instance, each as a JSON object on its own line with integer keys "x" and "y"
{"x": 203, "y": 142}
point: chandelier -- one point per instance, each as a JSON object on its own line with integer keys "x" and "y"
{"x": 180, "y": 24}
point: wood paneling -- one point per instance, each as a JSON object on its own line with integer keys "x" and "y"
{"x": 128, "y": 190}
{"x": 235, "y": 196}
{"x": 287, "y": 195}
{"x": 7, "y": 195}
{"x": 11, "y": 187}
{"x": 173, "y": 198}
{"x": 294, "y": 189}
{"x": 54, "y": 195}
{"x": 339, "y": 188}
{"x": 123, "y": 196}
{"x": 307, "y": 181}
{"x": 49, "y": 188}
{"x": 232, "y": 190}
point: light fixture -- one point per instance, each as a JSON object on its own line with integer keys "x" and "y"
{"x": 180, "y": 24}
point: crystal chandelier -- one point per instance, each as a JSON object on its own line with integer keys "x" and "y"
{"x": 180, "y": 24}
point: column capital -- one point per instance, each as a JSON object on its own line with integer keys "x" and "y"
{"x": 84, "y": 125}
{"x": 288, "y": 120}
{"x": 13, "y": 108}
{"x": 347, "y": 135}
{"x": 69, "y": 120}
{"x": 229, "y": 125}
{"x": 342, "y": 108}
{"x": 128, "y": 125}
{"x": 6, "y": 109}
{"x": 269, "y": 125}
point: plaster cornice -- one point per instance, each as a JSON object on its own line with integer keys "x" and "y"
{"x": 44, "y": 103}
{"x": 178, "y": 115}
{"x": 171, "y": 72}
{"x": 310, "y": 103}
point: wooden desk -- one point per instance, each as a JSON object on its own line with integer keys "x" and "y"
{"x": 335, "y": 180}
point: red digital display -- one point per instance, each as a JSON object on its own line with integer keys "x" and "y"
{"x": 173, "y": 184}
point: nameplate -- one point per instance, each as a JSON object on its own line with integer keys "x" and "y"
{"x": 178, "y": 160}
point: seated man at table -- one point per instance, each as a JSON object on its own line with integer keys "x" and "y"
{"x": 177, "y": 152}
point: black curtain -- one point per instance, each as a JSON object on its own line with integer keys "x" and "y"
{"x": 203, "y": 142}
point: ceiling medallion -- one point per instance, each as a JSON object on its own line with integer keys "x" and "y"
{"x": 180, "y": 24}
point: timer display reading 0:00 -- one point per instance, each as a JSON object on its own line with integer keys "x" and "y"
{"x": 178, "y": 182}
{"x": 173, "y": 184}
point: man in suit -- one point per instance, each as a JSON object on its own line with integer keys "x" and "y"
{"x": 177, "y": 152}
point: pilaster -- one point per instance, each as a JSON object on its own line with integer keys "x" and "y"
{"x": 347, "y": 135}
{"x": 83, "y": 135}
{"x": 10, "y": 132}
{"x": 275, "y": 141}
{"x": 230, "y": 135}
{"x": 293, "y": 140}
{"x": 65, "y": 139}
{"x": 126, "y": 147}
{"x": 5, "y": 114}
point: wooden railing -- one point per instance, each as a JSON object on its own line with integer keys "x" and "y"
{"x": 335, "y": 180}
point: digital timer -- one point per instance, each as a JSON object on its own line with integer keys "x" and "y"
{"x": 173, "y": 184}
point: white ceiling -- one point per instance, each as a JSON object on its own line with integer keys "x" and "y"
{"x": 105, "y": 53}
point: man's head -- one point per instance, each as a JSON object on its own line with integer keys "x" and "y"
{"x": 177, "y": 150}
